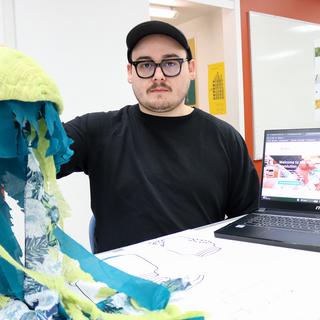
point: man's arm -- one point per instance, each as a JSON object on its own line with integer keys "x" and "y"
{"x": 244, "y": 182}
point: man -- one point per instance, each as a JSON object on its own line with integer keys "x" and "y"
{"x": 160, "y": 166}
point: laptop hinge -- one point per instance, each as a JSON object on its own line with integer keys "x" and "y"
{"x": 261, "y": 210}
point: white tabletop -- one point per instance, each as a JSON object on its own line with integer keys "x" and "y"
{"x": 230, "y": 280}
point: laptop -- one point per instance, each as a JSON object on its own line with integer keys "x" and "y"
{"x": 289, "y": 200}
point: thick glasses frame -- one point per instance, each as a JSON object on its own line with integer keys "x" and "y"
{"x": 160, "y": 65}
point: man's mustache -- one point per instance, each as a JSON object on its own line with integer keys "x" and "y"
{"x": 156, "y": 86}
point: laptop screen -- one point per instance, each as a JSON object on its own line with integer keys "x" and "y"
{"x": 291, "y": 170}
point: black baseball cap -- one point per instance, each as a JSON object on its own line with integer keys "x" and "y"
{"x": 155, "y": 27}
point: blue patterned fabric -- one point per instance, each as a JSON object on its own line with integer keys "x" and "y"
{"x": 45, "y": 243}
{"x": 22, "y": 180}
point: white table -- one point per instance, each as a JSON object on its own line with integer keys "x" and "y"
{"x": 230, "y": 280}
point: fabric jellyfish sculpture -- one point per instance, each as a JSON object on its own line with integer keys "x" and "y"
{"x": 47, "y": 280}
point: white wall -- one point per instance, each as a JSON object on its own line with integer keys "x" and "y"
{"x": 216, "y": 41}
{"x": 2, "y": 23}
{"x": 81, "y": 44}
{"x": 7, "y": 23}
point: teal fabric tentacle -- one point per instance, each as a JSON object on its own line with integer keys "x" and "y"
{"x": 11, "y": 280}
{"x": 147, "y": 294}
{"x": 59, "y": 141}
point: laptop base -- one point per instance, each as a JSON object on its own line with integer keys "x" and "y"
{"x": 237, "y": 230}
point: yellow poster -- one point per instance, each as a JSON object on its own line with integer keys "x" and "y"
{"x": 216, "y": 88}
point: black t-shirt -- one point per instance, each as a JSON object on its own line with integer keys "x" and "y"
{"x": 151, "y": 175}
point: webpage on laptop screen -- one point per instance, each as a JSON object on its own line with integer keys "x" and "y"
{"x": 291, "y": 169}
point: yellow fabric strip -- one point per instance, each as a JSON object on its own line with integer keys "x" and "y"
{"x": 3, "y": 301}
{"x": 48, "y": 171}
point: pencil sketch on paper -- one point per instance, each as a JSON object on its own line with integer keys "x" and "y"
{"x": 150, "y": 268}
{"x": 147, "y": 269}
{"x": 186, "y": 245}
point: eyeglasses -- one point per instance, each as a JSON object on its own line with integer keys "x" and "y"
{"x": 147, "y": 68}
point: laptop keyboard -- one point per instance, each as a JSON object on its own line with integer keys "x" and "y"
{"x": 285, "y": 222}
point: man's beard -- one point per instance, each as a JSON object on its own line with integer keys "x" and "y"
{"x": 160, "y": 106}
